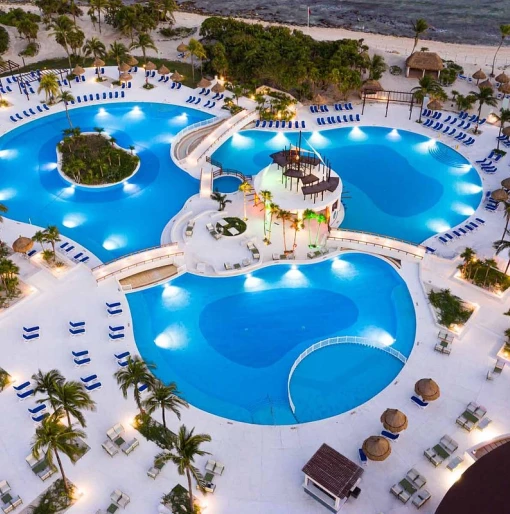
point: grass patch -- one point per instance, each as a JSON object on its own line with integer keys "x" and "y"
{"x": 93, "y": 160}
{"x": 236, "y": 223}
{"x": 451, "y": 310}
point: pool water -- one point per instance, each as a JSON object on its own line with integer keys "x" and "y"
{"x": 111, "y": 221}
{"x": 227, "y": 184}
{"x": 229, "y": 343}
{"x": 395, "y": 183}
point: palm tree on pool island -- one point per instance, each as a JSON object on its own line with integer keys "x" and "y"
{"x": 284, "y": 216}
{"x": 182, "y": 452}
{"x": 484, "y": 97}
{"x": 309, "y": 215}
{"x": 165, "y": 397}
{"x": 296, "y": 225}
{"x": 135, "y": 374}
{"x": 245, "y": 187}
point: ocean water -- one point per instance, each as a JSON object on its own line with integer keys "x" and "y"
{"x": 458, "y": 21}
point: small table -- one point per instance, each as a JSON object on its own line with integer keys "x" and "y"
{"x": 7, "y": 498}
{"x": 119, "y": 441}
{"x": 112, "y": 508}
{"x": 407, "y": 486}
{"x": 470, "y": 416}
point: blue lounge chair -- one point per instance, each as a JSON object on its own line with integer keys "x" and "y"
{"x": 198, "y": 101}
{"x": 82, "y": 362}
{"x": 26, "y": 114}
{"x": 453, "y": 131}
{"x": 85, "y": 259}
{"x": 448, "y": 236}
{"x": 470, "y": 229}
{"x": 474, "y": 225}
{"x": 457, "y": 234}
{"x": 63, "y": 245}
{"x": 123, "y": 364}
{"x": 31, "y": 111}
{"x": 31, "y": 90}
{"x": 38, "y": 419}
{"x": 117, "y": 328}
{"x": 211, "y": 105}
{"x": 428, "y": 249}
{"x": 480, "y": 220}
{"x": 21, "y": 386}
{"x": 283, "y": 124}
{"x": 123, "y": 355}
{"x": 83, "y": 78}
{"x": 39, "y": 108}
{"x": 357, "y": 118}
{"x": 122, "y": 94}
{"x": 88, "y": 379}
{"x": 94, "y": 386}
{"x": 142, "y": 388}
{"x": 18, "y": 115}
{"x": 264, "y": 123}
{"x": 104, "y": 96}
{"x": 13, "y": 119}
{"x": 161, "y": 78}
{"x": 77, "y": 324}
{"x": 35, "y": 328}
{"x": 98, "y": 97}
{"x": 390, "y": 436}
{"x": 462, "y": 231}
{"x": 362, "y": 457}
{"x": 209, "y": 101}
{"x": 172, "y": 86}
{"x": 25, "y": 394}
{"x": 31, "y": 252}
{"x": 270, "y": 125}
{"x": 447, "y": 120}
{"x": 114, "y": 312}
{"x": 78, "y": 255}
{"x": 351, "y": 117}
{"x": 443, "y": 240}
{"x": 45, "y": 107}
{"x": 76, "y": 331}
{"x": 110, "y": 95}
{"x": 303, "y": 124}
{"x": 85, "y": 98}
{"x": 116, "y": 94}
{"x": 419, "y": 402}
{"x": 112, "y": 305}
{"x": 31, "y": 337}
{"x": 115, "y": 336}
{"x": 81, "y": 353}
{"x": 69, "y": 249}
{"x": 37, "y": 409}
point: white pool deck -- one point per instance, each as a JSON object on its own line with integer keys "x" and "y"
{"x": 262, "y": 463}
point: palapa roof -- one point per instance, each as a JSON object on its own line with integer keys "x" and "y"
{"x": 125, "y": 77}
{"x": 98, "y": 62}
{"x": 176, "y": 76}
{"x": 479, "y": 75}
{"x": 505, "y": 88}
{"x": 124, "y": 67}
{"x": 163, "y": 70}
{"x": 506, "y": 183}
{"x": 204, "y": 83}
{"x": 22, "y": 244}
{"x": 394, "y": 420}
{"x": 332, "y": 471}
{"x": 377, "y": 448}
{"x": 503, "y": 78}
{"x": 218, "y": 88}
{"x": 486, "y": 83}
{"x": 319, "y": 99}
{"x": 150, "y": 66}
{"x": 372, "y": 85}
{"x": 182, "y": 47}
{"x": 500, "y": 195}
{"x": 427, "y": 389}
{"x": 429, "y": 61}
{"x": 435, "y": 105}
{"x": 506, "y": 131}
{"x": 78, "y": 70}
{"x": 132, "y": 61}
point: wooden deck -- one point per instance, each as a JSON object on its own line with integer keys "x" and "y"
{"x": 148, "y": 277}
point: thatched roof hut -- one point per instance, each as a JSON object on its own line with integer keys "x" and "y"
{"x": 218, "y": 88}
{"x": 479, "y": 75}
{"x": 182, "y": 47}
{"x": 499, "y": 195}
{"x": 176, "y": 76}
{"x": 420, "y": 64}
{"x": 427, "y": 389}
{"x": 486, "y": 83}
{"x": 435, "y": 105}
{"x": 124, "y": 67}
{"x": 163, "y": 70}
{"x": 503, "y": 78}
{"x": 98, "y": 62}
{"x": 78, "y": 70}
{"x": 377, "y": 448}
{"x": 204, "y": 83}
{"x": 372, "y": 85}
{"x": 394, "y": 420}
{"x": 125, "y": 77}
{"x": 506, "y": 183}
{"x": 22, "y": 244}
{"x": 150, "y": 66}
{"x": 132, "y": 61}
{"x": 505, "y": 89}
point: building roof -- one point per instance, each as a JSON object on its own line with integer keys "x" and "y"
{"x": 428, "y": 61}
{"x": 333, "y": 471}
{"x": 482, "y": 486}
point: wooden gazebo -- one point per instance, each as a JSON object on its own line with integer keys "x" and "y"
{"x": 420, "y": 64}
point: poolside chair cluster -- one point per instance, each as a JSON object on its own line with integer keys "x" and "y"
{"x": 105, "y": 96}
{"x": 452, "y": 119}
{"x": 313, "y": 254}
{"x": 452, "y": 132}
{"x": 164, "y": 79}
{"x": 212, "y": 468}
{"x": 497, "y": 370}
{"x": 119, "y": 500}
{"x": 5, "y": 90}
{"x": 253, "y": 250}
{"x": 126, "y": 85}
{"x": 67, "y": 247}
{"x": 115, "y": 332}
{"x": 408, "y": 486}
{"x": 195, "y": 100}
{"x": 122, "y": 359}
{"x": 419, "y": 402}
{"x": 79, "y": 78}
{"x": 218, "y": 97}
{"x": 236, "y": 266}
{"x": 344, "y": 107}
{"x": 314, "y": 109}
{"x": 188, "y": 232}
{"x": 8, "y": 499}
{"x": 488, "y": 164}
{"x": 504, "y": 140}
{"x": 445, "y": 342}
{"x": 333, "y": 120}
{"x": 178, "y": 85}
{"x": 26, "y": 89}
{"x": 280, "y": 124}
{"x": 459, "y": 232}
{"x": 77, "y": 328}
{"x": 38, "y": 413}
{"x": 204, "y": 91}
{"x": 283, "y": 256}
{"x": 113, "y": 309}
{"x": 213, "y": 231}
{"x": 81, "y": 357}
{"x": 41, "y": 467}
{"x": 24, "y": 390}
{"x": 28, "y": 113}
{"x": 443, "y": 450}
{"x": 31, "y": 333}
{"x": 116, "y": 441}
{"x": 96, "y": 70}
{"x": 91, "y": 382}
{"x": 64, "y": 82}
{"x": 491, "y": 205}
{"x": 472, "y": 416}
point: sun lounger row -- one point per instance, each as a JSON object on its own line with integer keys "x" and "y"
{"x": 66, "y": 247}
{"x": 313, "y": 254}
{"x": 28, "y": 113}
{"x": 65, "y": 82}
{"x": 283, "y": 256}
{"x": 470, "y": 418}
{"x": 493, "y": 155}
{"x": 193, "y": 100}
{"x": 77, "y": 328}
{"x": 209, "y": 104}
{"x": 8, "y": 500}
{"x": 31, "y": 332}
{"x": 318, "y": 108}
{"x": 491, "y": 205}
{"x": 126, "y": 85}
{"x": 81, "y": 358}
{"x": 91, "y": 382}
{"x": 204, "y": 91}
{"x": 164, "y": 79}
{"x": 80, "y": 78}
{"x": 113, "y": 308}
{"x": 41, "y": 467}
{"x": 441, "y": 451}
{"x": 213, "y": 231}
{"x": 116, "y": 441}
{"x": 459, "y": 232}
{"x": 236, "y": 266}
{"x": 344, "y": 107}
{"x": 178, "y": 85}
{"x": 5, "y": 90}
{"x": 408, "y": 486}
{"x": 333, "y": 120}
{"x": 25, "y": 89}
{"x": 38, "y": 413}
{"x": 253, "y": 249}
{"x": 115, "y": 332}
{"x": 497, "y": 370}
{"x": 217, "y": 96}
{"x": 280, "y": 124}
{"x": 90, "y": 98}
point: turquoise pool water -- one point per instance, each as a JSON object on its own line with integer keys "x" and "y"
{"x": 108, "y": 221}
{"x": 226, "y": 184}
{"x": 229, "y": 343}
{"x": 396, "y": 183}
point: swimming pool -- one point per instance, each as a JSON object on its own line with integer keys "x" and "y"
{"x": 396, "y": 183}
{"x": 227, "y": 184}
{"x": 229, "y": 343}
{"x": 111, "y": 221}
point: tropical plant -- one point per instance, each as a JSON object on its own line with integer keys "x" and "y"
{"x": 3, "y": 210}
{"x": 94, "y": 47}
{"x": 67, "y": 97}
{"x": 135, "y": 374}
{"x": 296, "y": 225}
{"x": 450, "y": 308}
{"x": 98, "y": 6}
{"x": 38, "y": 237}
{"x": 503, "y": 117}
{"x": 49, "y": 84}
{"x": 164, "y": 397}
{"x": 285, "y": 216}
{"x": 484, "y": 97}
{"x": 118, "y": 52}
{"x": 194, "y": 51}
{"x": 9, "y": 276}
{"x": 419, "y": 27}
{"x": 266, "y": 197}
{"x": 52, "y": 235}
{"x": 71, "y": 398}
{"x": 238, "y": 92}
{"x": 428, "y": 87}
{"x": 376, "y": 67}
{"x": 464, "y": 103}
{"x": 144, "y": 43}
{"x": 28, "y": 29}
{"x": 309, "y": 215}
{"x": 182, "y": 452}
{"x": 321, "y": 218}
{"x": 52, "y": 438}
{"x": 272, "y": 210}
{"x": 504, "y": 31}
{"x": 221, "y": 199}
{"x": 469, "y": 256}
{"x": 500, "y": 246}
{"x": 62, "y": 28}
{"x": 166, "y": 10}
{"x": 245, "y": 188}
{"x": 46, "y": 383}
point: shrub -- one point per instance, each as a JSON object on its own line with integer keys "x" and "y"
{"x": 31, "y": 50}
{"x": 4, "y": 40}
{"x": 395, "y": 70}
{"x": 153, "y": 431}
{"x": 450, "y": 308}
{"x": 13, "y": 16}
{"x": 178, "y": 32}
{"x": 178, "y": 499}
{"x": 4, "y": 379}
{"x": 449, "y": 73}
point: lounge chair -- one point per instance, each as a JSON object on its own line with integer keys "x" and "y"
{"x": 390, "y": 435}
{"x": 117, "y": 328}
{"x": 419, "y": 402}
{"x": 112, "y": 305}
{"x": 128, "y": 447}
{"x": 362, "y": 457}
{"x": 110, "y": 448}
{"x": 155, "y": 470}
{"x": 454, "y": 463}
{"x": 77, "y": 324}
{"x": 416, "y": 479}
{"x": 81, "y": 361}
{"x": 214, "y": 467}
{"x": 119, "y": 498}
{"x": 25, "y": 394}
{"x": 38, "y": 419}
{"x": 94, "y": 386}
{"x": 114, "y": 312}
{"x": 22, "y": 386}
{"x": 28, "y": 330}
{"x": 496, "y": 372}
{"x": 31, "y": 337}
{"x": 189, "y": 228}
{"x": 421, "y": 498}
{"x": 37, "y": 409}
{"x": 77, "y": 331}
{"x": 88, "y": 379}
{"x": 245, "y": 262}
{"x": 403, "y": 490}
{"x": 122, "y": 355}
{"x": 115, "y": 336}
{"x": 228, "y": 266}
{"x": 80, "y": 353}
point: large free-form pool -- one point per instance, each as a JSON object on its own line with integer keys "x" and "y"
{"x": 396, "y": 183}
{"x": 229, "y": 343}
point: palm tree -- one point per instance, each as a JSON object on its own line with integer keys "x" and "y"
{"x": 66, "y": 97}
{"x": 38, "y": 237}
{"x": 46, "y": 383}
{"x": 320, "y": 220}
{"x": 52, "y": 236}
{"x": 309, "y": 215}
{"x": 503, "y": 117}
{"x": 284, "y": 216}
{"x": 221, "y": 199}
{"x": 469, "y": 256}
{"x": 245, "y": 188}
{"x": 8, "y": 273}
{"x": 3, "y": 210}
{"x": 72, "y": 398}
{"x": 296, "y": 225}
{"x": 428, "y": 87}
{"x": 136, "y": 373}
{"x": 144, "y": 43}
{"x": 165, "y": 397}
{"x": 266, "y": 196}
{"x": 500, "y": 246}
{"x": 464, "y": 103}
{"x": 119, "y": 52}
{"x": 98, "y": 6}
{"x": 62, "y": 27}
{"x": 484, "y": 96}
{"x": 504, "y": 31}
{"x": 52, "y": 437}
{"x": 376, "y": 67}
{"x": 237, "y": 91}
{"x": 490, "y": 263}
{"x": 94, "y": 47}
{"x": 273, "y": 209}
{"x": 182, "y": 453}
{"x": 167, "y": 9}
{"x": 419, "y": 27}
{"x": 49, "y": 84}
{"x": 195, "y": 50}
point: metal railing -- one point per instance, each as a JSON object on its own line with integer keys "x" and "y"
{"x": 334, "y": 341}
{"x": 190, "y": 128}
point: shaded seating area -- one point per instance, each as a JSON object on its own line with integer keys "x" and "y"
{"x": 9, "y": 500}
{"x": 212, "y": 231}
{"x": 444, "y": 345}
{"x": 419, "y": 64}
{"x": 412, "y": 482}
{"x": 41, "y": 467}
{"x": 331, "y": 478}
{"x": 116, "y": 441}
{"x": 441, "y": 451}
{"x": 497, "y": 370}
{"x": 471, "y": 417}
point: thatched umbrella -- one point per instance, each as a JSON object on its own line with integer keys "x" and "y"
{"x": 394, "y": 420}
{"x": 182, "y": 47}
{"x": 505, "y": 89}
{"x": 22, "y": 244}
{"x": 132, "y": 61}
{"x": 435, "y": 105}
{"x": 176, "y": 76}
{"x": 124, "y": 67}
{"x": 98, "y": 62}
{"x": 479, "y": 75}
{"x": 163, "y": 70}
{"x": 377, "y": 448}
{"x": 486, "y": 83}
{"x": 204, "y": 83}
{"x": 372, "y": 85}
{"x": 506, "y": 183}
{"x": 506, "y": 131}
{"x": 499, "y": 195}
{"x": 125, "y": 77}
{"x": 319, "y": 100}
{"x": 427, "y": 389}
{"x": 150, "y": 66}
{"x": 503, "y": 78}
{"x": 218, "y": 88}
{"x": 78, "y": 70}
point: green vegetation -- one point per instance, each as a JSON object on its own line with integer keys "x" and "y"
{"x": 236, "y": 223}
{"x": 55, "y": 499}
{"x": 483, "y": 273}
{"x": 135, "y": 374}
{"x": 451, "y": 309}
{"x": 504, "y": 31}
{"x": 14, "y": 16}
{"x": 4, "y": 40}
{"x": 152, "y": 430}
{"x": 93, "y": 159}
{"x": 428, "y": 88}
{"x": 419, "y": 26}
{"x": 485, "y": 96}
{"x": 8, "y": 272}
{"x": 31, "y": 50}
{"x": 221, "y": 199}
{"x": 178, "y": 500}
{"x": 178, "y": 32}
{"x": 449, "y": 74}
{"x": 5, "y": 379}
{"x": 396, "y": 70}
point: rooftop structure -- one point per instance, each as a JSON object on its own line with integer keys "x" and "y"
{"x": 420, "y": 64}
